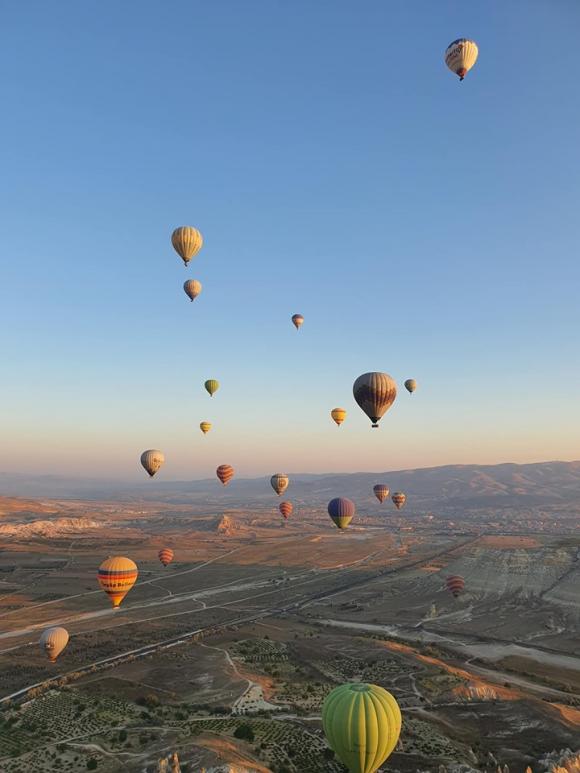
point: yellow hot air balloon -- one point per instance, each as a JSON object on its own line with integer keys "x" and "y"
{"x": 338, "y": 415}
{"x": 410, "y": 385}
{"x": 116, "y": 576}
{"x": 460, "y": 56}
{"x": 205, "y": 427}
{"x": 212, "y": 386}
{"x": 279, "y": 482}
{"x": 362, "y": 724}
{"x": 53, "y": 641}
{"x": 152, "y": 460}
{"x": 192, "y": 288}
{"x": 187, "y": 242}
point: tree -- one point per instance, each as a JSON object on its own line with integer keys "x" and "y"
{"x": 122, "y": 735}
{"x": 245, "y": 733}
{"x": 92, "y": 765}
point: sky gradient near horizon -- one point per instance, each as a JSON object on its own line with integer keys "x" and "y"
{"x": 424, "y": 227}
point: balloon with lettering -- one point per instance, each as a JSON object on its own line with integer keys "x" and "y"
{"x": 461, "y": 55}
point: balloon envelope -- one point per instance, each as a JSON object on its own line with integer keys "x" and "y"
{"x": 53, "y": 641}
{"x": 212, "y": 386}
{"x": 399, "y": 499}
{"x": 279, "y": 482}
{"x": 165, "y": 555}
{"x": 460, "y": 56}
{"x": 297, "y": 321}
{"x": 362, "y": 724}
{"x": 410, "y": 385}
{"x": 205, "y": 427}
{"x": 187, "y": 242}
{"x": 286, "y": 509}
{"x": 375, "y": 393}
{"x": 455, "y": 585}
{"x": 192, "y": 288}
{"x": 338, "y": 415}
{"x": 152, "y": 460}
{"x": 341, "y": 510}
{"x": 116, "y": 576}
{"x": 225, "y": 473}
{"x": 381, "y": 492}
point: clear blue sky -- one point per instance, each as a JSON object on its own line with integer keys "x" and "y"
{"x": 423, "y": 227}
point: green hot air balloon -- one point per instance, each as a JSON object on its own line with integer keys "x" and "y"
{"x": 212, "y": 386}
{"x": 362, "y": 724}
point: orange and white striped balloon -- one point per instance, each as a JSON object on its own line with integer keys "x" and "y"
{"x": 225, "y": 473}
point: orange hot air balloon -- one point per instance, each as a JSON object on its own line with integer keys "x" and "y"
{"x": 53, "y": 641}
{"x": 165, "y": 555}
{"x": 338, "y": 415}
{"x": 455, "y": 585}
{"x": 381, "y": 492}
{"x": 399, "y": 499}
{"x": 225, "y": 473}
{"x": 286, "y": 509}
{"x": 116, "y": 576}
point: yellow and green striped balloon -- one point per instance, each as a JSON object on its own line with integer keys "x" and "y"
{"x": 212, "y": 386}
{"x": 362, "y": 724}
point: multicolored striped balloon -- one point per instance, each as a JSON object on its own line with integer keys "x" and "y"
{"x": 225, "y": 473}
{"x": 375, "y": 393}
{"x": 279, "y": 482}
{"x": 455, "y": 585}
{"x": 399, "y": 499}
{"x": 116, "y": 576}
{"x": 286, "y": 509}
{"x": 165, "y": 555}
{"x": 187, "y": 242}
{"x": 381, "y": 492}
{"x": 341, "y": 510}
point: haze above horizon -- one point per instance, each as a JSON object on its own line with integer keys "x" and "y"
{"x": 423, "y": 227}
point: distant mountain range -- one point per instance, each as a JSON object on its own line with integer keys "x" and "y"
{"x": 471, "y": 484}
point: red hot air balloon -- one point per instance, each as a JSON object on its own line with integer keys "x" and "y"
{"x": 455, "y": 585}
{"x": 286, "y": 509}
{"x": 225, "y": 473}
{"x": 381, "y": 492}
{"x": 399, "y": 499}
{"x": 165, "y": 555}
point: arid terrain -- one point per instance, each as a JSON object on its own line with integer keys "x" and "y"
{"x": 257, "y": 619}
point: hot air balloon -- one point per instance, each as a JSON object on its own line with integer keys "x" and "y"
{"x": 53, "y": 641}
{"x": 381, "y": 492}
{"x": 116, "y": 576}
{"x": 212, "y": 386}
{"x": 279, "y": 483}
{"x": 225, "y": 473}
{"x": 362, "y": 724}
{"x": 297, "y": 321}
{"x": 338, "y": 415}
{"x": 192, "y": 288}
{"x": 165, "y": 555}
{"x": 341, "y": 510}
{"x": 205, "y": 426}
{"x": 374, "y": 393}
{"x": 286, "y": 509}
{"x": 399, "y": 499}
{"x": 152, "y": 460}
{"x": 460, "y": 56}
{"x": 187, "y": 242}
{"x": 410, "y": 385}
{"x": 455, "y": 585}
